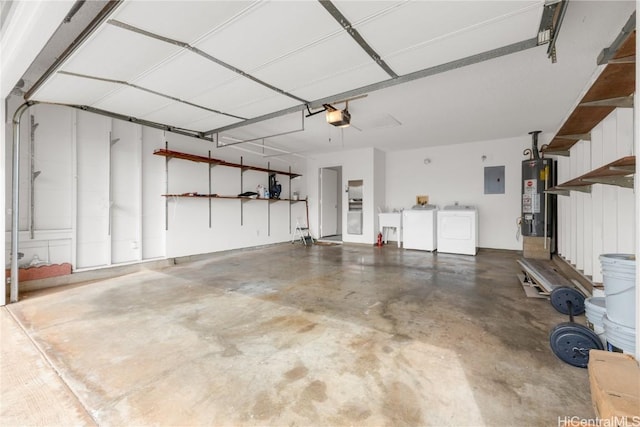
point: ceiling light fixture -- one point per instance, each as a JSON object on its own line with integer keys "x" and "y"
{"x": 338, "y": 118}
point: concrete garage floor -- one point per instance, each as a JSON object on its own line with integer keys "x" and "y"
{"x": 292, "y": 335}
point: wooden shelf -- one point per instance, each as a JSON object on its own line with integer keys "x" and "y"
{"x": 217, "y": 162}
{"x": 204, "y": 196}
{"x": 613, "y": 88}
{"x": 619, "y": 173}
{"x": 168, "y": 154}
{"x": 245, "y": 198}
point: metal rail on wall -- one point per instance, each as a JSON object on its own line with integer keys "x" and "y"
{"x": 244, "y": 141}
{"x": 15, "y": 200}
{"x": 33, "y": 175}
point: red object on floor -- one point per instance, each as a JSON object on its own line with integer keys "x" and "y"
{"x": 379, "y": 239}
{"x": 41, "y": 272}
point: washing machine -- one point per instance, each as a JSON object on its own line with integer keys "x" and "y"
{"x": 419, "y": 228}
{"x": 458, "y": 230}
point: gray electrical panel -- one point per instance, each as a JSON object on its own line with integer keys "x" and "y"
{"x": 494, "y": 180}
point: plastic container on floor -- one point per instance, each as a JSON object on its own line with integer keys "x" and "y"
{"x": 619, "y": 279}
{"x": 619, "y": 336}
{"x": 595, "y": 310}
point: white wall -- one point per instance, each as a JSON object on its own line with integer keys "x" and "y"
{"x": 456, "y": 174}
{"x": 603, "y": 221}
{"x": 636, "y": 145}
{"x": 19, "y": 45}
{"x": 380, "y": 178}
{"x": 3, "y": 159}
{"x": 126, "y": 191}
{"x": 98, "y": 199}
{"x": 153, "y": 207}
{"x": 234, "y": 223}
{"x": 52, "y": 188}
{"x": 92, "y": 191}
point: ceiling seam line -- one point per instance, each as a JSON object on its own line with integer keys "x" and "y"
{"x": 380, "y": 13}
{"x": 355, "y": 35}
{"x": 217, "y": 139}
{"x": 124, "y": 83}
{"x": 461, "y": 31}
{"x": 459, "y": 63}
{"x": 203, "y": 54}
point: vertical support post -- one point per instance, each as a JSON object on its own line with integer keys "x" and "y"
{"x": 166, "y": 187}
{"x": 33, "y": 175}
{"x": 210, "y": 188}
{"x": 241, "y": 191}
{"x": 290, "y": 198}
{"x": 110, "y": 186}
{"x": 15, "y": 198}
{"x": 74, "y": 191}
{"x": 140, "y": 216}
{"x": 306, "y": 207}
{"x": 269, "y": 201}
{"x": 112, "y": 142}
{"x": 636, "y": 151}
{"x": 546, "y": 201}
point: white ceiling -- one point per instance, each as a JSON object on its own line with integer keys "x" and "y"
{"x": 185, "y": 64}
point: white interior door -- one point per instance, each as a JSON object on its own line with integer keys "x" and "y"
{"x": 329, "y": 202}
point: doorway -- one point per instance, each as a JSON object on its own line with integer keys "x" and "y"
{"x": 330, "y": 203}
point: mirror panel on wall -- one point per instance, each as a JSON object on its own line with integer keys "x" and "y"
{"x": 354, "y": 215}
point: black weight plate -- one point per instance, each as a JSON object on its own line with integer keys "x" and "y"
{"x": 560, "y": 296}
{"x": 571, "y": 343}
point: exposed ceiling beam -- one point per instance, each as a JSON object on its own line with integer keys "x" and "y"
{"x": 173, "y": 98}
{"x": 459, "y": 63}
{"x": 355, "y": 35}
{"x": 203, "y": 54}
{"x": 242, "y": 141}
{"x": 131, "y": 119}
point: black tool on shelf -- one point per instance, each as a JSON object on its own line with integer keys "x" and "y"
{"x": 274, "y": 188}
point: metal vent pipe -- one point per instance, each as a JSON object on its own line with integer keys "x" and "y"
{"x": 534, "y": 144}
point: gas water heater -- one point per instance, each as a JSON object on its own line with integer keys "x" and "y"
{"x": 538, "y": 207}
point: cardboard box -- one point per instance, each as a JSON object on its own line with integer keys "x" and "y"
{"x": 615, "y": 387}
{"x": 534, "y": 247}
